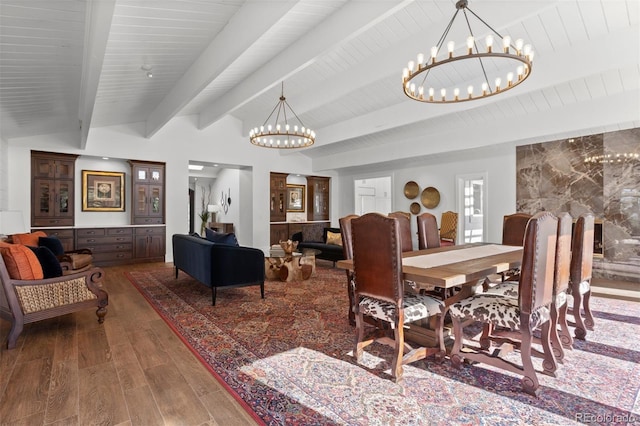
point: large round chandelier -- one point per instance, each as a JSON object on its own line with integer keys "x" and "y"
{"x": 479, "y": 73}
{"x": 280, "y": 133}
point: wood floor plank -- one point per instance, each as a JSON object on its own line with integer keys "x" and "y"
{"x": 27, "y": 390}
{"x": 149, "y": 349}
{"x": 176, "y": 400}
{"x": 129, "y": 371}
{"x": 142, "y": 407}
{"x": 93, "y": 348}
{"x": 66, "y": 344}
{"x": 101, "y": 399}
{"x": 62, "y": 401}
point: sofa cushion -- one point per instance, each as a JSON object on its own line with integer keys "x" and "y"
{"x": 53, "y": 243}
{"x": 334, "y": 238}
{"x": 28, "y": 239}
{"x": 22, "y": 263}
{"x": 221, "y": 237}
{"x": 48, "y": 261}
{"x": 312, "y": 234}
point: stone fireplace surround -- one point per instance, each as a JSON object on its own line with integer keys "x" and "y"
{"x": 554, "y": 176}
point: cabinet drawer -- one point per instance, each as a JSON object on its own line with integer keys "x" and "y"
{"x": 60, "y": 233}
{"x": 103, "y": 248}
{"x": 156, "y": 230}
{"x": 84, "y": 241}
{"x": 41, "y": 221}
{"x": 91, "y": 232}
{"x": 119, "y": 231}
{"x": 104, "y": 257}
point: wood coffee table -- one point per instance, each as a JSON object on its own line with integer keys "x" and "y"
{"x": 290, "y": 267}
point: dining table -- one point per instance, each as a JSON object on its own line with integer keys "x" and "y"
{"x": 454, "y": 272}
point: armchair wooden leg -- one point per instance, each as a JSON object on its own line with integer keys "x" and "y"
{"x": 14, "y": 333}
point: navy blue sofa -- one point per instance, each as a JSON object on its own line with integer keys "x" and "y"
{"x": 218, "y": 265}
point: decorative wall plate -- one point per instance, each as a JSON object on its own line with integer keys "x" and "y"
{"x": 430, "y": 197}
{"x": 411, "y": 190}
{"x": 415, "y": 208}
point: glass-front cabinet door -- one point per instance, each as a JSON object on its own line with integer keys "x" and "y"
{"x": 53, "y": 202}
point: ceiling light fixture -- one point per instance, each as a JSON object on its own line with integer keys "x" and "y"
{"x": 281, "y": 134}
{"x": 148, "y": 69}
{"x": 195, "y": 167}
{"x": 508, "y": 65}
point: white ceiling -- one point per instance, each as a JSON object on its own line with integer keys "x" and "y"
{"x": 71, "y": 65}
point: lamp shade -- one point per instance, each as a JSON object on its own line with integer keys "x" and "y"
{"x": 12, "y": 222}
{"x": 213, "y": 208}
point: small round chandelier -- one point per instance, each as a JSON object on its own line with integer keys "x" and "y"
{"x": 432, "y": 80}
{"x": 281, "y": 134}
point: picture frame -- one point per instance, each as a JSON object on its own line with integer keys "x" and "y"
{"x": 102, "y": 191}
{"x": 295, "y": 198}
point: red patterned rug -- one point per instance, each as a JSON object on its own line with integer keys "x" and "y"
{"x": 288, "y": 359}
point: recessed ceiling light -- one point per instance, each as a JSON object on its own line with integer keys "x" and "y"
{"x": 105, "y": 158}
{"x": 195, "y": 167}
{"x": 215, "y": 165}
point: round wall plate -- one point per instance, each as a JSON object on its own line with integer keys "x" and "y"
{"x": 415, "y": 208}
{"x": 411, "y": 190}
{"x": 430, "y": 197}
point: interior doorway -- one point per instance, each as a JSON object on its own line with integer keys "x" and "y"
{"x": 472, "y": 202}
{"x": 372, "y": 195}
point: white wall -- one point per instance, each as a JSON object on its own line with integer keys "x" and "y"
{"x": 441, "y": 174}
{"x": 4, "y": 174}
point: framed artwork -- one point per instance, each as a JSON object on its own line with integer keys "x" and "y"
{"x": 295, "y": 198}
{"x": 102, "y": 191}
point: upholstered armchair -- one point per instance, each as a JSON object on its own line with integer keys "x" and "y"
{"x": 72, "y": 261}
{"x": 24, "y": 301}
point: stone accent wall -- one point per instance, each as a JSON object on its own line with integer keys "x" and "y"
{"x": 556, "y": 177}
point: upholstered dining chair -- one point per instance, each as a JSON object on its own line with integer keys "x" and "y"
{"x": 379, "y": 293}
{"x": 513, "y": 227}
{"x": 560, "y": 335}
{"x": 405, "y": 230}
{"x": 522, "y": 315}
{"x": 428, "y": 234}
{"x": 448, "y": 228}
{"x": 580, "y": 274}
{"x": 347, "y": 250}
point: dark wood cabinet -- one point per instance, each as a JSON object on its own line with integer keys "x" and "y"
{"x": 66, "y": 237}
{"x": 110, "y": 246}
{"x": 52, "y": 189}
{"x": 278, "y": 197}
{"x": 279, "y": 232}
{"x": 148, "y": 201}
{"x": 317, "y": 198}
{"x": 150, "y": 243}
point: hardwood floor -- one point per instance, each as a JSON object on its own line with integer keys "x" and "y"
{"x": 131, "y": 370}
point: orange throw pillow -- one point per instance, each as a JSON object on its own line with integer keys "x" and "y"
{"x": 21, "y": 262}
{"x": 29, "y": 239}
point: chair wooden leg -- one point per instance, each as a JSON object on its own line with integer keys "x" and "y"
{"x": 530, "y": 381}
{"x": 398, "y": 352}
{"x": 586, "y": 305}
{"x": 556, "y": 345}
{"x": 14, "y": 333}
{"x": 456, "y": 359}
{"x": 564, "y": 333}
{"x": 581, "y": 329}
{"x": 485, "y": 340}
{"x": 358, "y": 349}
{"x": 549, "y": 364}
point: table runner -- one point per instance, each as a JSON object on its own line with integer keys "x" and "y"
{"x": 454, "y": 256}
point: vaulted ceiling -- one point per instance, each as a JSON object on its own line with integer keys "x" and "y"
{"x": 73, "y": 65}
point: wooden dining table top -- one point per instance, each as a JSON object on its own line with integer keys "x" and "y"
{"x": 454, "y": 266}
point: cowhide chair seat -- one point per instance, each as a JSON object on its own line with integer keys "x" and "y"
{"x": 416, "y": 307}
{"x": 498, "y": 310}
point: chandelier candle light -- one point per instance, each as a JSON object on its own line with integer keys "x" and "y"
{"x": 509, "y": 66}
{"x": 281, "y": 134}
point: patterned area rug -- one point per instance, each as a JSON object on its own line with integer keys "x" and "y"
{"x": 288, "y": 357}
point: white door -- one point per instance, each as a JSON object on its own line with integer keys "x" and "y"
{"x": 472, "y": 202}
{"x": 372, "y": 195}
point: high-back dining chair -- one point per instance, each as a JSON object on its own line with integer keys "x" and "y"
{"x": 405, "y": 230}
{"x": 379, "y": 292}
{"x": 448, "y": 228}
{"x": 513, "y": 227}
{"x": 580, "y": 273}
{"x": 521, "y": 315}
{"x": 560, "y": 335}
{"x": 428, "y": 235}
{"x": 347, "y": 250}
